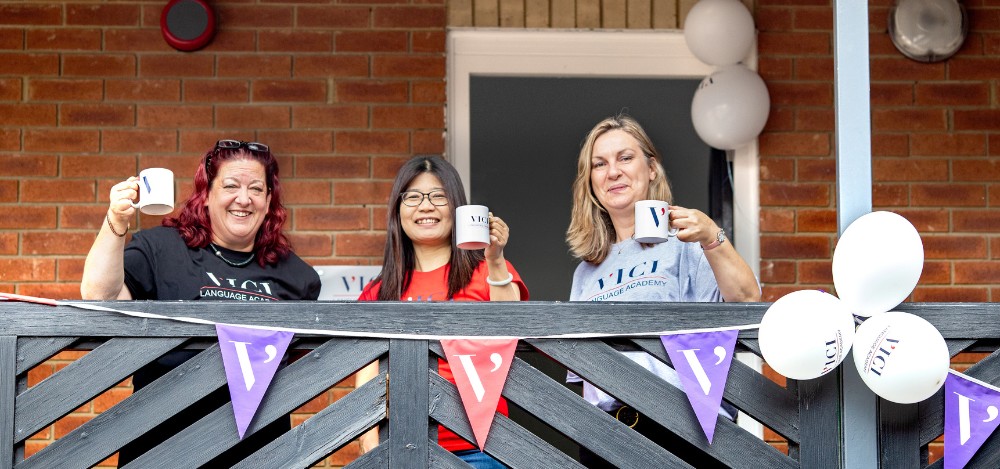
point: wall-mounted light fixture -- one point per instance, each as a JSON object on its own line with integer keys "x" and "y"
{"x": 928, "y": 30}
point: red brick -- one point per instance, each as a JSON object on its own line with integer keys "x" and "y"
{"x": 428, "y": 41}
{"x": 386, "y": 167}
{"x": 355, "y": 193}
{"x": 816, "y": 18}
{"x": 935, "y": 272}
{"x": 890, "y": 195}
{"x": 332, "y": 17}
{"x": 10, "y": 89}
{"x": 331, "y": 116}
{"x": 62, "y": 39}
{"x": 817, "y": 170}
{"x": 216, "y": 91}
{"x": 42, "y": 89}
{"x": 311, "y": 244}
{"x": 62, "y": 242}
{"x": 792, "y": 194}
{"x": 926, "y": 220}
{"x": 338, "y": 167}
{"x": 335, "y": 218}
{"x": 256, "y": 16}
{"x": 89, "y": 217}
{"x": 10, "y": 140}
{"x": 975, "y": 272}
{"x": 57, "y": 190}
{"x": 777, "y": 220}
{"x": 144, "y": 90}
{"x": 815, "y": 272}
{"x": 950, "y": 294}
{"x": 110, "y": 398}
{"x": 359, "y": 244}
{"x": 255, "y": 66}
{"x": 18, "y": 13}
{"x": 777, "y": 271}
{"x": 183, "y": 166}
{"x": 816, "y": 221}
{"x": 409, "y": 17}
{"x": 773, "y": 19}
{"x": 134, "y": 40}
{"x": 771, "y": 293}
{"x": 28, "y": 114}
{"x": 330, "y": 66}
{"x": 28, "y": 165}
{"x": 299, "y": 191}
{"x": 371, "y": 41}
{"x": 973, "y": 68}
{"x": 70, "y": 270}
{"x": 818, "y": 120}
{"x": 777, "y": 169}
{"x": 949, "y": 144}
{"x": 975, "y": 170}
{"x": 909, "y": 169}
{"x": 980, "y": 221}
{"x": 251, "y": 117}
{"x": 98, "y": 166}
{"x": 948, "y": 195}
{"x": 138, "y": 141}
{"x": 196, "y": 117}
{"x": 408, "y": 66}
{"x": 890, "y": 144}
{"x": 429, "y": 92}
{"x": 58, "y": 140}
{"x": 953, "y": 94}
{"x": 774, "y": 68}
{"x": 380, "y": 218}
{"x": 426, "y": 142}
{"x": 289, "y": 91}
{"x": 103, "y": 14}
{"x": 977, "y": 119}
{"x": 408, "y": 117}
{"x": 795, "y": 144}
{"x": 18, "y": 64}
{"x": 8, "y": 243}
{"x": 27, "y": 269}
{"x": 294, "y": 41}
{"x": 891, "y": 94}
{"x": 795, "y": 247}
{"x": 372, "y": 142}
{"x": 795, "y": 43}
{"x": 345, "y": 454}
{"x": 232, "y": 40}
{"x": 94, "y": 115}
{"x": 780, "y": 119}
{"x": 954, "y": 246}
{"x": 175, "y": 65}
{"x": 99, "y": 65}
{"x": 291, "y": 143}
{"x": 801, "y": 94}
{"x": 909, "y": 119}
{"x": 372, "y": 91}
{"x": 814, "y": 68}
{"x": 12, "y": 39}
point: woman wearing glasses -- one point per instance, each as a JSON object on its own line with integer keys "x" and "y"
{"x": 421, "y": 263}
{"x": 225, "y": 244}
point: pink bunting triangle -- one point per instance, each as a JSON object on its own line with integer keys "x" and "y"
{"x": 251, "y": 357}
{"x": 480, "y": 369}
{"x": 702, "y": 362}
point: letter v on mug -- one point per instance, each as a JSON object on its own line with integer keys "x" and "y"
{"x": 652, "y": 222}
{"x": 472, "y": 227}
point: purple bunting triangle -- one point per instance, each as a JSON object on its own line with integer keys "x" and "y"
{"x": 702, "y": 362}
{"x": 251, "y": 357}
{"x": 971, "y": 409}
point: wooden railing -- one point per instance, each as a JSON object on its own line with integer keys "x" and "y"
{"x": 416, "y": 398}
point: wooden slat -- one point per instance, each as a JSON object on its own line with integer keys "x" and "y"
{"x": 106, "y": 433}
{"x": 956, "y": 347}
{"x": 665, "y": 14}
{"x": 408, "y": 403}
{"x": 604, "y": 367}
{"x": 83, "y": 379}
{"x": 899, "y": 432}
{"x": 292, "y": 386}
{"x": 613, "y": 14}
{"x": 8, "y": 381}
{"x": 536, "y": 13}
{"x": 751, "y": 392}
{"x": 507, "y": 441}
{"x": 460, "y": 13}
{"x": 563, "y": 13}
{"x": 487, "y": 13}
{"x": 377, "y": 458}
{"x": 511, "y": 13}
{"x": 819, "y": 405}
{"x": 441, "y": 458}
{"x": 325, "y": 432}
{"x": 588, "y": 13}
{"x": 639, "y": 14}
{"x": 32, "y": 351}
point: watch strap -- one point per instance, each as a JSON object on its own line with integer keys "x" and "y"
{"x": 719, "y": 239}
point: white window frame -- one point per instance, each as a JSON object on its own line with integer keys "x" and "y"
{"x": 582, "y": 53}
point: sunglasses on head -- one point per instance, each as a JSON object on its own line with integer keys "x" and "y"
{"x": 227, "y": 144}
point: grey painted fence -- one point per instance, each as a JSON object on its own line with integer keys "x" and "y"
{"x": 415, "y": 398}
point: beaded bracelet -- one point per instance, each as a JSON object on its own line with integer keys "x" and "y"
{"x": 107, "y": 217}
{"x": 500, "y": 283}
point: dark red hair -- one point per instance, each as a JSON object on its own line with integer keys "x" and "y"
{"x": 270, "y": 244}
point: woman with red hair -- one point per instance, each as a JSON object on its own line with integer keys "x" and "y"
{"x": 226, "y": 244}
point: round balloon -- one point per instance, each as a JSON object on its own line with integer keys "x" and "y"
{"x": 805, "y": 334}
{"x": 877, "y": 262}
{"x": 730, "y": 107}
{"x": 719, "y": 32}
{"x": 901, "y": 357}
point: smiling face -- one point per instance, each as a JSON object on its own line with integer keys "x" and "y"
{"x": 237, "y": 203}
{"x": 619, "y": 171}
{"x": 426, "y": 224}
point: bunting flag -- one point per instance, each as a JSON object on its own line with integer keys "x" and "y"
{"x": 702, "y": 362}
{"x": 480, "y": 369}
{"x": 251, "y": 357}
{"x": 970, "y": 417}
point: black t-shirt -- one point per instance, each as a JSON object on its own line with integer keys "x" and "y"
{"x": 159, "y": 266}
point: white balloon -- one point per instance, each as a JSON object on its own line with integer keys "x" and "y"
{"x": 877, "y": 262}
{"x": 719, "y": 32}
{"x": 730, "y": 107}
{"x": 901, "y": 357}
{"x": 805, "y": 334}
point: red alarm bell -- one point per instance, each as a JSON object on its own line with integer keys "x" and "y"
{"x": 187, "y": 25}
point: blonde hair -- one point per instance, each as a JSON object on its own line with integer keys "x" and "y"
{"x": 591, "y": 233}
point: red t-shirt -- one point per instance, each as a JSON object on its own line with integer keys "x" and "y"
{"x": 433, "y": 286}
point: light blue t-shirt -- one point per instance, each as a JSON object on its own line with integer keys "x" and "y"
{"x": 671, "y": 271}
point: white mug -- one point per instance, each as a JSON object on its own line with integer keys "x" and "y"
{"x": 156, "y": 191}
{"x": 472, "y": 226}
{"x": 652, "y": 222}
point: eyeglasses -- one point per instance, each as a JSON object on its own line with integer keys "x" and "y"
{"x": 227, "y": 144}
{"x": 415, "y": 198}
